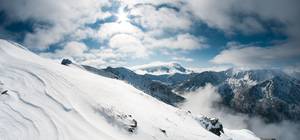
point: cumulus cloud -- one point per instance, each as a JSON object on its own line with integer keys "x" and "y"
{"x": 54, "y": 19}
{"x": 165, "y": 18}
{"x": 180, "y": 42}
{"x": 246, "y": 16}
{"x": 203, "y": 101}
{"x": 257, "y": 57}
{"x": 146, "y": 30}
{"x": 141, "y": 29}
{"x": 71, "y": 49}
{"x": 108, "y": 30}
{"x": 129, "y": 45}
{"x": 251, "y": 17}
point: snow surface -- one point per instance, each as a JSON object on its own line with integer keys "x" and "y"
{"x": 49, "y": 101}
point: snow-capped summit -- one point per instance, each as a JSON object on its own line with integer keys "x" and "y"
{"x": 160, "y": 68}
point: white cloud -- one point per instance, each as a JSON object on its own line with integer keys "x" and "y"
{"x": 74, "y": 49}
{"x": 151, "y": 18}
{"x": 247, "y": 16}
{"x": 224, "y": 14}
{"x": 108, "y": 30}
{"x": 128, "y": 45}
{"x": 211, "y": 68}
{"x": 71, "y": 49}
{"x": 256, "y": 57}
{"x": 181, "y": 58}
{"x": 214, "y": 12}
{"x": 132, "y": 3}
{"x": 67, "y": 19}
{"x": 127, "y": 38}
{"x": 62, "y": 18}
{"x": 179, "y": 42}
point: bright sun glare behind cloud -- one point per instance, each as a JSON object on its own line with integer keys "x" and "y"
{"x": 122, "y": 16}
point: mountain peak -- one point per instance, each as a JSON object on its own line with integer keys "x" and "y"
{"x": 160, "y": 68}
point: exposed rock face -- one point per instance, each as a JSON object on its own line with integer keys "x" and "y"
{"x": 3, "y": 91}
{"x": 276, "y": 99}
{"x": 66, "y": 62}
{"x": 100, "y": 72}
{"x": 211, "y": 124}
{"x": 271, "y": 94}
{"x": 200, "y": 80}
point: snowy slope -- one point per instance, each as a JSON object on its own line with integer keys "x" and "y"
{"x": 153, "y": 88}
{"x": 160, "y": 68}
{"x": 49, "y": 101}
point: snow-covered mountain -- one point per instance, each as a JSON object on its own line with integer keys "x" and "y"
{"x": 160, "y": 68}
{"x": 171, "y": 80}
{"x": 245, "y": 91}
{"x": 269, "y": 93}
{"x": 141, "y": 82}
{"x": 43, "y": 100}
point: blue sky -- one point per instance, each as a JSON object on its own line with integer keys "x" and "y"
{"x": 195, "y": 33}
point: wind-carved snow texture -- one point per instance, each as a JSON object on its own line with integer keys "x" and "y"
{"x": 43, "y": 100}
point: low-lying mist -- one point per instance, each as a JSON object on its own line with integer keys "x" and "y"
{"x": 203, "y": 102}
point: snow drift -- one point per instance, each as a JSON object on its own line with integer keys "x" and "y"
{"x": 48, "y": 101}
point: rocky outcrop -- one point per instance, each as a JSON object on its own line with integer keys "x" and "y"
{"x": 211, "y": 124}
{"x": 66, "y": 62}
{"x": 271, "y": 94}
{"x": 116, "y": 118}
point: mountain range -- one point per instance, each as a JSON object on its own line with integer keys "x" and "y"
{"x": 269, "y": 93}
{"x": 41, "y": 99}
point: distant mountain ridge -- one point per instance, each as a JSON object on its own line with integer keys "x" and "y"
{"x": 272, "y": 94}
{"x": 154, "y": 88}
{"x": 161, "y": 68}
